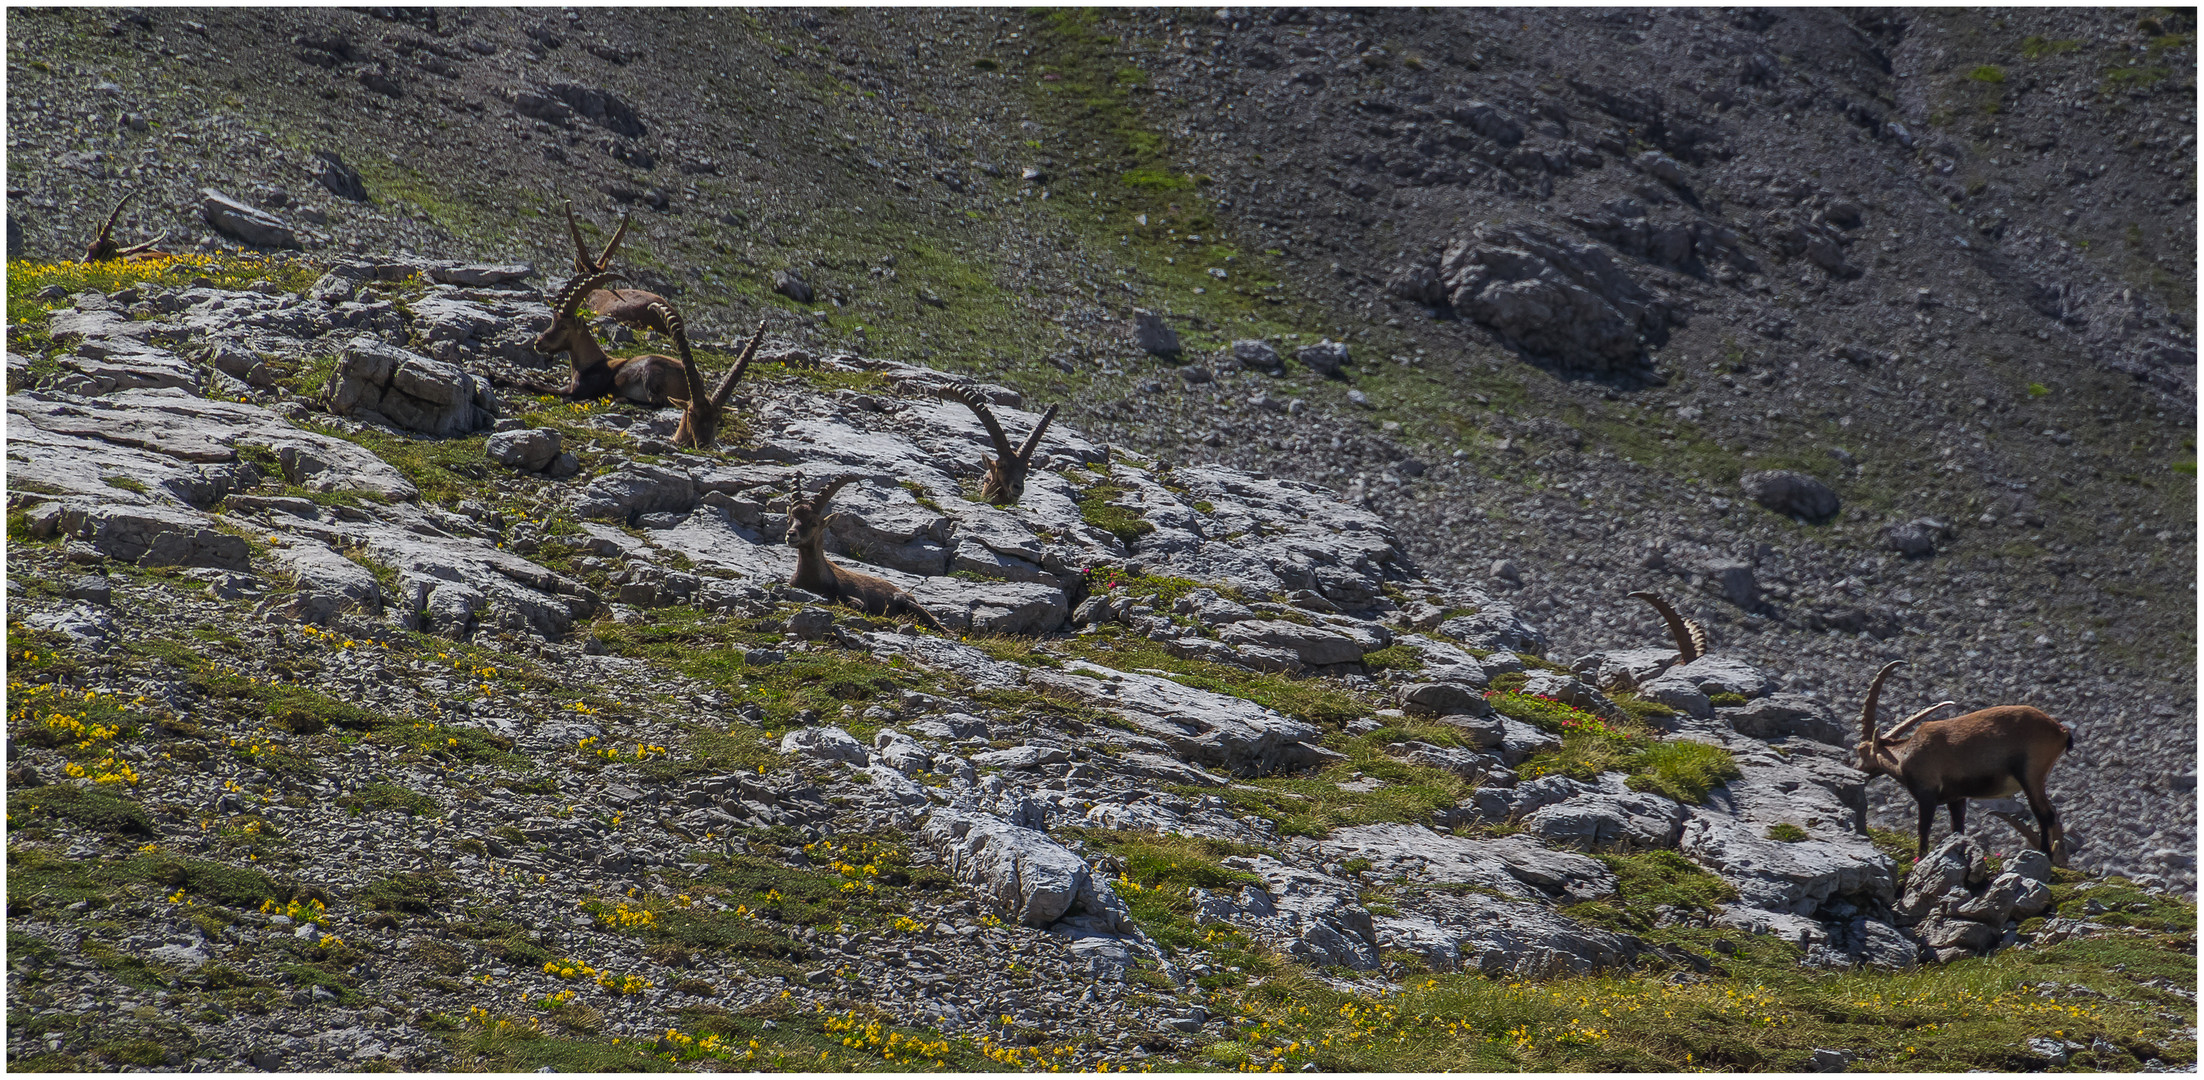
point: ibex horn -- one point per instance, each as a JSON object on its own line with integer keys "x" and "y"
{"x": 1875, "y": 692}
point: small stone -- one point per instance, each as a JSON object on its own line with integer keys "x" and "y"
{"x": 1325, "y": 357}
{"x": 1154, "y": 335}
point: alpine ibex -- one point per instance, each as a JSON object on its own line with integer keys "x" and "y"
{"x": 1986, "y": 754}
{"x": 650, "y": 379}
{"x": 701, "y": 416}
{"x": 1691, "y": 638}
{"x": 104, "y": 249}
{"x": 807, "y": 534}
{"x": 1004, "y": 481}
{"x": 627, "y": 305}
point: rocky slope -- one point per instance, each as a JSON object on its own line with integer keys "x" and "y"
{"x": 1392, "y": 345}
{"x": 316, "y": 710}
{"x": 1980, "y": 223}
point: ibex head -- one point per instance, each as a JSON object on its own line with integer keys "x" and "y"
{"x": 566, "y": 325}
{"x": 1873, "y": 752}
{"x": 103, "y": 247}
{"x": 1004, "y": 481}
{"x": 701, "y": 418}
{"x": 807, "y": 516}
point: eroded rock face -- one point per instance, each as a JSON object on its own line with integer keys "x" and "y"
{"x": 386, "y": 384}
{"x": 1553, "y": 296}
{"x": 1034, "y": 878}
{"x": 1226, "y": 732}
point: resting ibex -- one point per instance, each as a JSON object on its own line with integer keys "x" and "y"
{"x": 700, "y": 418}
{"x": 1986, "y": 754}
{"x": 1004, "y": 482}
{"x": 104, "y": 249}
{"x": 1691, "y": 638}
{"x": 650, "y": 379}
{"x": 627, "y": 305}
{"x": 807, "y": 534}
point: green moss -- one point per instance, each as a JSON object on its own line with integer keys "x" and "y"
{"x": 1682, "y": 770}
{"x": 1726, "y": 699}
{"x": 1097, "y": 507}
{"x": 1987, "y": 73}
{"x": 408, "y": 892}
{"x": 94, "y": 807}
{"x": 2036, "y": 47}
{"x": 1786, "y": 832}
{"x": 377, "y": 796}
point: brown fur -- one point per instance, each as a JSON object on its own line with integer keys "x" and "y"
{"x": 650, "y": 379}
{"x": 103, "y": 247}
{"x": 814, "y": 573}
{"x": 1986, "y": 754}
{"x": 1004, "y": 481}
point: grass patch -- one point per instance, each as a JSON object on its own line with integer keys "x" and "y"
{"x": 93, "y": 807}
{"x": 1682, "y": 770}
{"x": 39, "y": 879}
{"x": 1786, "y": 832}
{"x": 1309, "y": 699}
{"x": 2036, "y": 46}
{"x": 1154, "y": 872}
{"x": 388, "y": 797}
{"x": 1098, "y": 507}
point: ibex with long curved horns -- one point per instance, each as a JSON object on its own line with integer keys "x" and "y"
{"x": 1986, "y": 754}
{"x": 1004, "y": 481}
{"x": 814, "y": 573}
{"x": 700, "y": 418}
{"x": 630, "y": 306}
{"x": 103, "y": 247}
{"x": 651, "y": 379}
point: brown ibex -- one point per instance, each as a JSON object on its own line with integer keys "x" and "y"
{"x": 701, "y": 416}
{"x": 629, "y": 306}
{"x": 1691, "y": 638}
{"x": 1004, "y": 481}
{"x": 650, "y": 379}
{"x": 807, "y": 534}
{"x": 104, "y": 249}
{"x": 1986, "y": 754}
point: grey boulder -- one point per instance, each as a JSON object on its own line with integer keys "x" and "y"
{"x": 1314, "y": 645}
{"x": 528, "y": 449}
{"x": 1037, "y": 880}
{"x": 250, "y": 224}
{"x": 1794, "y": 493}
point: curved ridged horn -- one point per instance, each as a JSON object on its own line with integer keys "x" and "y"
{"x": 107, "y": 231}
{"x": 726, "y": 388}
{"x": 1691, "y": 640}
{"x": 1914, "y": 719}
{"x": 123, "y": 253}
{"x": 570, "y": 299}
{"x": 1874, "y": 692}
{"x": 819, "y": 501}
{"x": 1033, "y": 441}
{"x": 670, "y": 320}
{"x": 979, "y": 408}
{"x": 583, "y": 264}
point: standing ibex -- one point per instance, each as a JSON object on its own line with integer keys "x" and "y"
{"x": 1004, "y": 482}
{"x": 104, "y": 249}
{"x": 1691, "y": 638}
{"x": 807, "y": 534}
{"x": 627, "y": 305}
{"x": 650, "y": 379}
{"x": 1986, "y": 754}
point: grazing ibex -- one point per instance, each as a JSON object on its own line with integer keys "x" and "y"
{"x": 1691, "y": 638}
{"x": 1004, "y": 482}
{"x": 104, "y": 249}
{"x": 650, "y": 379}
{"x": 701, "y": 416}
{"x": 1986, "y": 754}
{"x": 627, "y": 305}
{"x": 807, "y": 534}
